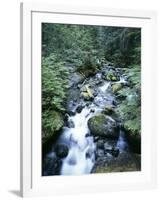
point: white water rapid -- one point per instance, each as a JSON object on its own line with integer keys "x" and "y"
{"x": 81, "y": 157}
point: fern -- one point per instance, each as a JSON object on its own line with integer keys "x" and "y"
{"x": 130, "y": 108}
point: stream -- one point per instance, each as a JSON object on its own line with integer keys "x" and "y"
{"x": 84, "y": 148}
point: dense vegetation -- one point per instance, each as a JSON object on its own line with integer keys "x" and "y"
{"x": 54, "y": 85}
{"x": 87, "y": 48}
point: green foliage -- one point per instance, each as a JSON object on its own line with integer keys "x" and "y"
{"x": 130, "y": 108}
{"x": 88, "y": 65}
{"x": 123, "y": 45}
{"x": 74, "y": 43}
{"x": 54, "y": 85}
{"x": 87, "y": 48}
{"x": 52, "y": 122}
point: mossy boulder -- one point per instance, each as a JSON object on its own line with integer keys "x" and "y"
{"x": 85, "y": 96}
{"x": 87, "y": 93}
{"x": 125, "y": 162}
{"x": 53, "y": 125}
{"x": 116, "y": 87}
{"x": 103, "y": 126}
{"x": 111, "y": 76}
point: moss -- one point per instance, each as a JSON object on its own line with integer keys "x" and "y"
{"x": 114, "y": 78}
{"x": 104, "y": 126}
{"x": 87, "y": 95}
{"x": 53, "y": 123}
{"x": 125, "y": 162}
{"x": 116, "y": 87}
{"x": 117, "y": 169}
{"x": 111, "y": 76}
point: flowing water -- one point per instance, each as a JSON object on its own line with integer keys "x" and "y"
{"x": 81, "y": 155}
{"x": 81, "y": 158}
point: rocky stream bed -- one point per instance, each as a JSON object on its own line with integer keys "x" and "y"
{"x": 92, "y": 139}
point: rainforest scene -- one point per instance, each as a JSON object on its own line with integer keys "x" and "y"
{"x": 91, "y": 99}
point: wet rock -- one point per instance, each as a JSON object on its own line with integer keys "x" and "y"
{"x": 109, "y": 109}
{"x": 114, "y": 151}
{"x": 89, "y": 153}
{"x": 95, "y": 93}
{"x": 71, "y": 112}
{"x": 61, "y": 150}
{"x": 123, "y": 163}
{"x": 100, "y": 144}
{"x": 73, "y": 99}
{"x": 111, "y": 75}
{"x": 87, "y": 135}
{"x": 86, "y": 96}
{"x": 70, "y": 124}
{"x": 51, "y": 165}
{"x": 79, "y": 108}
{"x": 116, "y": 87}
{"x": 103, "y": 126}
{"x": 92, "y": 110}
{"x": 83, "y": 89}
{"x": 96, "y": 138}
{"x": 110, "y": 144}
{"x": 99, "y": 153}
{"x": 76, "y": 79}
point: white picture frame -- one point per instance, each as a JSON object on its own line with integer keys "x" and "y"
{"x": 32, "y": 183}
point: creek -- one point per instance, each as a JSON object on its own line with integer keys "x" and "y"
{"x": 82, "y": 144}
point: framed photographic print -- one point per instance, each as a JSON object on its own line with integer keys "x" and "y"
{"x": 87, "y": 100}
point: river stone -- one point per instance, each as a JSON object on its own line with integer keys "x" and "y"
{"x": 51, "y": 166}
{"x": 79, "y": 108}
{"x": 100, "y": 144}
{"x": 123, "y": 163}
{"x": 116, "y": 87}
{"x": 92, "y": 110}
{"x": 83, "y": 89}
{"x": 103, "y": 126}
{"x": 99, "y": 153}
{"x": 75, "y": 79}
{"x": 61, "y": 150}
{"x": 89, "y": 153}
{"x": 114, "y": 152}
{"x": 70, "y": 123}
{"x": 108, "y": 109}
{"x": 110, "y": 144}
{"x": 86, "y": 96}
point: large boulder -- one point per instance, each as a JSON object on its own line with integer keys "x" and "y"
{"x": 86, "y": 93}
{"x": 103, "y": 126}
{"x": 76, "y": 79}
{"x": 123, "y": 163}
